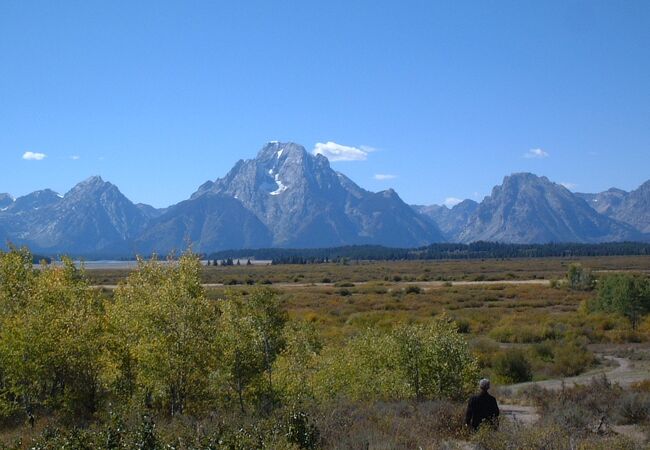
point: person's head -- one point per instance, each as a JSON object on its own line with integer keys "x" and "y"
{"x": 484, "y": 384}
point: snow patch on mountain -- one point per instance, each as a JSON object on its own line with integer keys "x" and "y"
{"x": 281, "y": 187}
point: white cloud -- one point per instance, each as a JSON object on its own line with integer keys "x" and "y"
{"x": 384, "y": 176}
{"x": 367, "y": 148}
{"x": 75, "y": 157}
{"x": 451, "y": 201}
{"x": 31, "y": 156}
{"x": 536, "y": 153}
{"x": 568, "y": 185}
{"x": 338, "y": 152}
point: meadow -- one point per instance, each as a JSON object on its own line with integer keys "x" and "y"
{"x": 367, "y": 271}
{"x": 321, "y": 355}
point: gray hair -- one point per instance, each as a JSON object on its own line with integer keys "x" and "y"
{"x": 484, "y": 384}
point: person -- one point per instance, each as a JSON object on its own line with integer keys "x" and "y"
{"x": 482, "y": 408}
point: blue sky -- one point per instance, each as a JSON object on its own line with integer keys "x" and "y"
{"x": 158, "y": 97}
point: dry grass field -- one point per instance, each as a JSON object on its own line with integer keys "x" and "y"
{"x": 403, "y": 271}
{"x": 500, "y": 305}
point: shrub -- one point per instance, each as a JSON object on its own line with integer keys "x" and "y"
{"x": 634, "y": 408}
{"x": 301, "y": 431}
{"x": 579, "y": 278}
{"x": 625, "y": 294}
{"x": 463, "y": 325}
{"x": 512, "y": 366}
{"x": 522, "y": 334}
{"x": 571, "y": 358}
{"x": 414, "y": 361}
{"x": 484, "y": 348}
{"x": 413, "y": 290}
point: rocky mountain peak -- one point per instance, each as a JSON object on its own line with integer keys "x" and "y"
{"x": 90, "y": 184}
{"x": 35, "y": 200}
{"x": 518, "y": 180}
{"x": 528, "y": 208}
{"x": 303, "y": 202}
{"x": 5, "y": 200}
{"x": 278, "y": 151}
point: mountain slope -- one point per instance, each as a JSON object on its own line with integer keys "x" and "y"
{"x": 286, "y": 197}
{"x": 5, "y": 201}
{"x": 635, "y": 208}
{"x": 304, "y": 203}
{"x": 632, "y": 207}
{"x": 94, "y": 216}
{"x": 451, "y": 221}
{"x": 207, "y": 223}
{"x": 531, "y": 209}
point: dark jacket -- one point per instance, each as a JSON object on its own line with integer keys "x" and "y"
{"x": 482, "y": 407}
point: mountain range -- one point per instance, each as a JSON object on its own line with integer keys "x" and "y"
{"x": 287, "y": 197}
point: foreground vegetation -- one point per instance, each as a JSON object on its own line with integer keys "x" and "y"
{"x": 163, "y": 361}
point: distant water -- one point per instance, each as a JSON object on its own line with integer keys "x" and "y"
{"x": 112, "y": 264}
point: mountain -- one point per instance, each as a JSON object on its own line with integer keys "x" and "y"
{"x": 304, "y": 203}
{"x": 635, "y": 209}
{"x": 452, "y": 221}
{"x": 94, "y": 216}
{"x": 149, "y": 211}
{"x": 5, "y": 201}
{"x": 632, "y": 207}
{"x": 207, "y": 222}
{"x": 605, "y": 202}
{"x": 531, "y": 209}
{"x": 34, "y": 201}
{"x": 287, "y": 197}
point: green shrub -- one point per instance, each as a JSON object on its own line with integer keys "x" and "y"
{"x": 580, "y": 278}
{"x": 512, "y": 366}
{"x": 571, "y": 358}
{"x": 523, "y": 334}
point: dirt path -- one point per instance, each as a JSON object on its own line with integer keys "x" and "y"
{"x": 422, "y": 284}
{"x": 624, "y": 374}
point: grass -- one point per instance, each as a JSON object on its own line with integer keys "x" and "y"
{"x": 401, "y": 271}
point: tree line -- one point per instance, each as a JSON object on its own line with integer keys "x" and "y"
{"x": 475, "y": 250}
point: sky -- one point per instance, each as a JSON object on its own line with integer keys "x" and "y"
{"x": 436, "y": 99}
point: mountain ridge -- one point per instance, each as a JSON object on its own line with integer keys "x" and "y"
{"x": 285, "y": 197}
